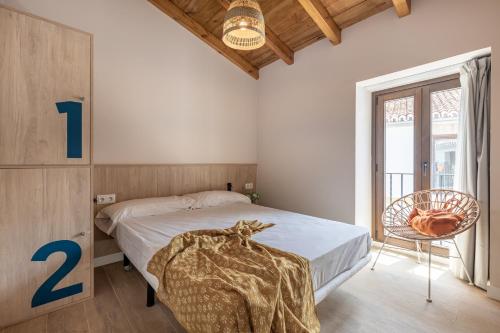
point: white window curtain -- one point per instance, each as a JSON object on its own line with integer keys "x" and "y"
{"x": 472, "y": 167}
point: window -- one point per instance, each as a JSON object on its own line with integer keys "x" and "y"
{"x": 416, "y": 129}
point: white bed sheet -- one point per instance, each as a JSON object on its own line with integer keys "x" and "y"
{"x": 331, "y": 247}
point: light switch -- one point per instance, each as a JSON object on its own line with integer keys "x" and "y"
{"x": 103, "y": 199}
{"x": 249, "y": 186}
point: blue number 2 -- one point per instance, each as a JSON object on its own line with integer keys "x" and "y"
{"x": 45, "y": 294}
{"x": 73, "y": 127}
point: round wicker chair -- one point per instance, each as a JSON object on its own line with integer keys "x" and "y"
{"x": 395, "y": 219}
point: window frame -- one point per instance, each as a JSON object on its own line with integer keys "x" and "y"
{"x": 422, "y": 149}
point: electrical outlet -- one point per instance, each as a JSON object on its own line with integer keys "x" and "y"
{"x": 249, "y": 186}
{"x": 103, "y": 199}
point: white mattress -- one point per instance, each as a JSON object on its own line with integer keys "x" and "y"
{"x": 331, "y": 247}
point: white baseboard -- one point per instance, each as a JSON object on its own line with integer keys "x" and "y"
{"x": 109, "y": 259}
{"x": 493, "y": 292}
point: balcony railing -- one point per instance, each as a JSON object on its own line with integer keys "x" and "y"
{"x": 397, "y": 184}
{"x": 443, "y": 180}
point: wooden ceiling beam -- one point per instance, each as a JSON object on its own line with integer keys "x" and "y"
{"x": 169, "y": 8}
{"x": 272, "y": 40}
{"x": 279, "y": 47}
{"x": 403, "y": 7}
{"x": 323, "y": 20}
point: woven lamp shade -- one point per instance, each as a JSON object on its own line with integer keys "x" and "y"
{"x": 244, "y": 27}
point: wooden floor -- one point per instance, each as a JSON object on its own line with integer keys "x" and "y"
{"x": 389, "y": 299}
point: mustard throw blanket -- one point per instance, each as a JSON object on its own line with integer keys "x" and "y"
{"x": 222, "y": 281}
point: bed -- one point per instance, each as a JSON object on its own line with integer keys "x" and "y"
{"x": 336, "y": 250}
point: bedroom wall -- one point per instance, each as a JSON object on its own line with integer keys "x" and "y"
{"x": 306, "y": 119}
{"x": 160, "y": 95}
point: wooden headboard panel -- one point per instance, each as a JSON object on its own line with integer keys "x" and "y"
{"x": 162, "y": 180}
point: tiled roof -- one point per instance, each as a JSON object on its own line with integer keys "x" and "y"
{"x": 445, "y": 104}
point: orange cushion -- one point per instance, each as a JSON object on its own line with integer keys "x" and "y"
{"x": 434, "y": 222}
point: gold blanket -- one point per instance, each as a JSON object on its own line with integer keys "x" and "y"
{"x": 222, "y": 281}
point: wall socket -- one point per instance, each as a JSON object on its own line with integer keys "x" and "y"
{"x": 103, "y": 199}
{"x": 249, "y": 186}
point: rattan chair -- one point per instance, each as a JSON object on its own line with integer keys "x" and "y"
{"x": 395, "y": 220}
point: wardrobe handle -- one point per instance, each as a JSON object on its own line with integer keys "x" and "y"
{"x": 81, "y": 234}
{"x": 426, "y": 164}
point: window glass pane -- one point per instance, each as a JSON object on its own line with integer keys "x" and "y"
{"x": 399, "y": 153}
{"x": 445, "y": 107}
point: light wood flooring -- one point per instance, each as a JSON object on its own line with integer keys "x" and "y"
{"x": 389, "y": 299}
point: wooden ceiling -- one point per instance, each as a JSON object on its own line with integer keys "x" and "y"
{"x": 291, "y": 25}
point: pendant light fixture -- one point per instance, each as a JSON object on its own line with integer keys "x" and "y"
{"x": 244, "y": 27}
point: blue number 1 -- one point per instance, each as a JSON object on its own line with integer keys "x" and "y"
{"x": 73, "y": 127}
{"x": 45, "y": 294}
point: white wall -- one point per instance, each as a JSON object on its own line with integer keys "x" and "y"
{"x": 160, "y": 94}
{"x": 306, "y": 119}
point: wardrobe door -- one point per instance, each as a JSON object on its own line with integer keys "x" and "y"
{"x": 42, "y": 63}
{"x": 45, "y": 239}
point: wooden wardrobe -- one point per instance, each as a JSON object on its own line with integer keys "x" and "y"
{"x": 46, "y": 206}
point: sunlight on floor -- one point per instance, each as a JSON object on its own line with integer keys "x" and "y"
{"x": 388, "y": 258}
{"x": 422, "y": 270}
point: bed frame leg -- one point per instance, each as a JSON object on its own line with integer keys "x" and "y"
{"x": 150, "y": 296}
{"x": 126, "y": 264}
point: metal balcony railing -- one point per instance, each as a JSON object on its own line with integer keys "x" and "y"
{"x": 395, "y": 177}
{"x": 399, "y": 184}
{"x": 443, "y": 180}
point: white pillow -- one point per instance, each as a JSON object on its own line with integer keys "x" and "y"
{"x": 216, "y": 198}
{"x": 143, "y": 207}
